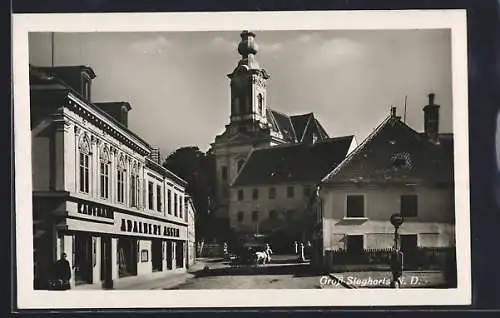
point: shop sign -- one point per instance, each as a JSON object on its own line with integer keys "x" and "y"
{"x": 95, "y": 210}
{"x": 148, "y": 228}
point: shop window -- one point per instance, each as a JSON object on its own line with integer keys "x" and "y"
{"x": 355, "y": 206}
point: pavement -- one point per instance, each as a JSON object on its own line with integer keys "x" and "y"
{"x": 382, "y": 279}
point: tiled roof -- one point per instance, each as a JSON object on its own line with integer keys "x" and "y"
{"x": 373, "y": 160}
{"x": 293, "y": 162}
{"x": 284, "y": 124}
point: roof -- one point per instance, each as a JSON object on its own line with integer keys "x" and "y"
{"x": 293, "y": 162}
{"x": 282, "y": 123}
{"x": 39, "y": 76}
{"x": 418, "y": 160}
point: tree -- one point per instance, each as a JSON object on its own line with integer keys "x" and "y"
{"x": 198, "y": 170}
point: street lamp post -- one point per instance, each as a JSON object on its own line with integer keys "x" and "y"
{"x": 396, "y": 255}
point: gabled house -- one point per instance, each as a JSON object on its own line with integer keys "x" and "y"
{"x": 394, "y": 170}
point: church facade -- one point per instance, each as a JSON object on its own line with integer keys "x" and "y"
{"x": 264, "y": 157}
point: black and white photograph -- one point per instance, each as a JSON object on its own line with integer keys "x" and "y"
{"x": 235, "y": 159}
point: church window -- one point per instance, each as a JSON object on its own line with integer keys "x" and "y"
{"x": 260, "y": 101}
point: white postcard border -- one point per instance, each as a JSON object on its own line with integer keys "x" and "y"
{"x": 27, "y": 298}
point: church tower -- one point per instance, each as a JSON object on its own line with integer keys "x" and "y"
{"x": 248, "y": 88}
{"x": 248, "y": 126}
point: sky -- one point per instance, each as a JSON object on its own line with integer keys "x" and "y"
{"x": 177, "y": 85}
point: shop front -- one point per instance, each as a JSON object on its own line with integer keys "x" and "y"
{"x": 104, "y": 245}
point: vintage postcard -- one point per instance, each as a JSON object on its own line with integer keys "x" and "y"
{"x": 271, "y": 159}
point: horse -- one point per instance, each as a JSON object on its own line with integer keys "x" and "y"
{"x": 264, "y": 256}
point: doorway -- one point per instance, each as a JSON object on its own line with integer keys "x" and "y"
{"x": 169, "y": 254}
{"x": 83, "y": 259}
{"x": 156, "y": 255}
{"x": 106, "y": 263}
{"x": 127, "y": 257}
{"x": 179, "y": 254}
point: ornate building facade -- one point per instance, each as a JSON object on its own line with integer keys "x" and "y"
{"x": 98, "y": 196}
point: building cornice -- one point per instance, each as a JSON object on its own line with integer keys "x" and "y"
{"x": 101, "y": 121}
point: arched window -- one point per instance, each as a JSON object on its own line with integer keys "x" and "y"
{"x": 84, "y": 166}
{"x": 104, "y": 163}
{"x": 120, "y": 181}
{"x": 134, "y": 186}
{"x": 260, "y": 103}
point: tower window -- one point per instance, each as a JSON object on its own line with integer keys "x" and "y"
{"x": 260, "y": 101}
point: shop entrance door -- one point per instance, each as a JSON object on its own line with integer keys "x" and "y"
{"x": 106, "y": 264}
{"x": 127, "y": 257}
{"x": 179, "y": 254}
{"x": 83, "y": 259}
{"x": 169, "y": 254}
{"x": 156, "y": 255}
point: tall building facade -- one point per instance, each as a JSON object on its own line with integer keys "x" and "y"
{"x": 98, "y": 196}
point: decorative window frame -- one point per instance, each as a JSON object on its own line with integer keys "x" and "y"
{"x": 84, "y": 147}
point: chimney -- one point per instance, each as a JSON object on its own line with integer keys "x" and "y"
{"x": 117, "y": 110}
{"x": 155, "y": 155}
{"x": 431, "y": 120}
{"x": 78, "y": 77}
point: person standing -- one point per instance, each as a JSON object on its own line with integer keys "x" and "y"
{"x": 63, "y": 272}
{"x": 296, "y": 245}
